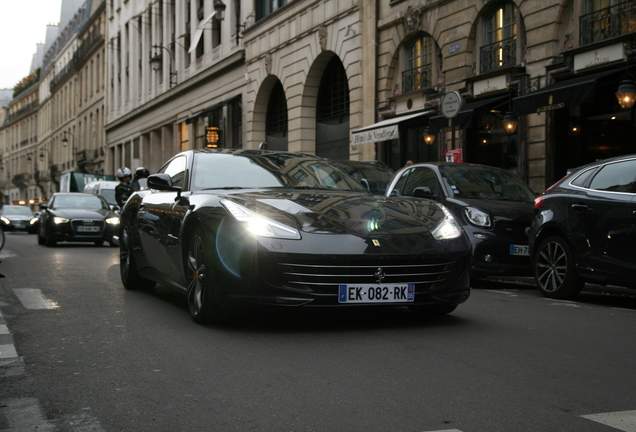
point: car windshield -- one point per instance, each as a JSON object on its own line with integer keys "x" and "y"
{"x": 17, "y": 211}
{"x": 484, "y": 183}
{"x": 89, "y": 202}
{"x": 268, "y": 170}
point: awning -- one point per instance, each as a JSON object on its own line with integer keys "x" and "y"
{"x": 570, "y": 92}
{"x": 382, "y": 131}
{"x": 461, "y": 120}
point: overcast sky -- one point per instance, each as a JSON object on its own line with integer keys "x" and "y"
{"x": 22, "y": 26}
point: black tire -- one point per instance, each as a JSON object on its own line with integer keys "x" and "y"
{"x": 49, "y": 241}
{"x": 554, "y": 269}
{"x": 99, "y": 242}
{"x": 199, "y": 267}
{"x": 41, "y": 239}
{"x": 2, "y": 238}
{"x": 127, "y": 266}
{"x": 432, "y": 310}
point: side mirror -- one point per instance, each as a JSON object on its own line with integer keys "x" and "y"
{"x": 423, "y": 192}
{"x": 44, "y": 206}
{"x": 162, "y": 182}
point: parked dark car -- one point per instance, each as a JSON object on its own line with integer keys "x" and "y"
{"x": 16, "y": 218}
{"x": 238, "y": 228}
{"x": 493, "y": 206}
{"x": 584, "y": 229}
{"x": 77, "y": 217}
{"x": 373, "y": 175}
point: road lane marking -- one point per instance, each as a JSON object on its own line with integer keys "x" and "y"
{"x": 32, "y": 298}
{"x": 7, "y": 352}
{"x": 621, "y": 420}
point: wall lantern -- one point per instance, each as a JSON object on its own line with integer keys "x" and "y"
{"x": 155, "y": 62}
{"x": 510, "y": 122}
{"x": 219, "y": 8}
{"x": 626, "y": 93}
{"x": 429, "y": 136}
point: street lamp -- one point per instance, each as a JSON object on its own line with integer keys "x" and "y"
{"x": 156, "y": 62}
{"x": 626, "y": 93}
{"x": 510, "y": 122}
{"x": 219, "y": 8}
{"x": 429, "y": 136}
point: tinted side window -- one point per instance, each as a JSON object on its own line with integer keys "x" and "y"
{"x": 616, "y": 177}
{"x": 422, "y": 177}
{"x": 176, "y": 170}
{"x": 401, "y": 183}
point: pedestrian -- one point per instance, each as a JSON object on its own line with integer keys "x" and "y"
{"x": 124, "y": 189}
{"x": 140, "y": 179}
{"x": 409, "y": 163}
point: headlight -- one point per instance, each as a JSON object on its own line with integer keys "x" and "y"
{"x": 259, "y": 225}
{"x": 5, "y": 220}
{"x": 112, "y": 221}
{"x": 33, "y": 220}
{"x": 448, "y": 228}
{"x": 477, "y": 217}
{"x": 60, "y": 220}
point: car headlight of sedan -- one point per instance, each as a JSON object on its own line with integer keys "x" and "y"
{"x": 257, "y": 224}
{"x": 33, "y": 221}
{"x": 448, "y": 228}
{"x": 477, "y": 217}
{"x": 60, "y": 220}
{"x": 5, "y": 220}
{"x": 112, "y": 221}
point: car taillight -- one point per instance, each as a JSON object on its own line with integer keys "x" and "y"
{"x": 538, "y": 202}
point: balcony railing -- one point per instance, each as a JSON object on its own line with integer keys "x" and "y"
{"x": 498, "y": 55}
{"x": 608, "y": 22}
{"x": 417, "y": 78}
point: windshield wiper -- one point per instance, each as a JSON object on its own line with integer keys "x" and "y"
{"x": 225, "y": 188}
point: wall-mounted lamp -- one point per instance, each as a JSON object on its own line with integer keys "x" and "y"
{"x": 219, "y": 8}
{"x": 510, "y": 122}
{"x": 429, "y": 136}
{"x": 156, "y": 62}
{"x": 626, "y": 93}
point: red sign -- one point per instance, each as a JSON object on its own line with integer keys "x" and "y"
{"x": 454, "y": 155}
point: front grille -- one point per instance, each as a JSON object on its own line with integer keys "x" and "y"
{"x": 323, "y": 277}
{"x": 88, "y": 227}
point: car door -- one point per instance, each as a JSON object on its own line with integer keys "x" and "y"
{"x": 601, "y": 220}
{"x": 160, "y": 219}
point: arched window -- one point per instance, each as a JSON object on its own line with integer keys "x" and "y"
{"x": 419, "y": 56}
{"x": 499, "y": 46}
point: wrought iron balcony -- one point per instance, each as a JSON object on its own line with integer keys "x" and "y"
{"x": 417, "y": 78}
{"x": 608, "y": 22}
{"x": 497, "y": 55}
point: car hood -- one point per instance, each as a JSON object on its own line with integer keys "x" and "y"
{"x": 82, "y": 213}
{"x": 337, "y": 212}
{"x": 499, "y": 210}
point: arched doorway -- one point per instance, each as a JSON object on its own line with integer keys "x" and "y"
{"x": 332, "y": 112}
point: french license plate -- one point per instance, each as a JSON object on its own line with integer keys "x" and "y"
{"x": 373, "y": 293}
{"x": 521, "y": 250}
{"x": 87, "y": 229}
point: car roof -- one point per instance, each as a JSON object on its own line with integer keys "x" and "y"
{"x": 600, "y": 162}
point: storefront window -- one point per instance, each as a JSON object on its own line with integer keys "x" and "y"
{"x": 184, "y": 136}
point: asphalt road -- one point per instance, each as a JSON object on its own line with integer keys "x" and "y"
{"x": 79, "y": 353}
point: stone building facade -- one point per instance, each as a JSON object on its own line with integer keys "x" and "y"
{"x": 140, "y": 80}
